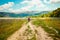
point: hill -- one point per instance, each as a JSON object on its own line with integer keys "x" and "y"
{"x": 55, "y": 13}
{"x": 23, "y": 14}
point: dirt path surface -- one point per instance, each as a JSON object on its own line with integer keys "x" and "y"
{"x": 30, "y": 32}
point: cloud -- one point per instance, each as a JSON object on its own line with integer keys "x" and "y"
{"x": 51, "y": 1}
{"x": 23, "y": 9}
{"x": 33, "y": 5}
{"x": 54, "y": 1}
{"x": 6, "y": 6}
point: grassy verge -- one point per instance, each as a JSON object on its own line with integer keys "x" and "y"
{"x": 50, "y": 26}
{"x": 9, "y": 26}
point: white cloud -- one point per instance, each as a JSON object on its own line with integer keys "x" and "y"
{"x": 54, "y": 1}
{"x": 6, "y": 6}
{"x": 37, "y": 4}
{"x": 51, "y": 1}
{"x": 23, "y": 9}
{"x": 24, "y": 2}
{"x": 33, "y": 5}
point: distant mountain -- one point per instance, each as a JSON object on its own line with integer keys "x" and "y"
{"x": 44, "y": 12}
{"x": 24, "y": 14}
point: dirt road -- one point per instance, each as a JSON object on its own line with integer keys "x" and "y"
{"x": 30, "y": 32}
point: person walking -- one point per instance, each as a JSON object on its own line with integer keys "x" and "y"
{"x": 28, "y": 19}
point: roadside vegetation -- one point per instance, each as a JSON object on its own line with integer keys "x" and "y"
{"x": 9, "y": 26}
{"x": 51, "y": 26}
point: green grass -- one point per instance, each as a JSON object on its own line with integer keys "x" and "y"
{"x": 33, "y": 38}
{"x": 9, "y": 26}
{"x": 47, "y": 24}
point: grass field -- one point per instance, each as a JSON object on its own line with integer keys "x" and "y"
{"x": 9, "y": 26}
{"x": 51, "y": 26}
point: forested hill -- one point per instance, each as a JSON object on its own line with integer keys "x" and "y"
{"x": 55, "y": 13}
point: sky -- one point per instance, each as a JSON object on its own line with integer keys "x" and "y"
{"x": 18, "y": 6}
